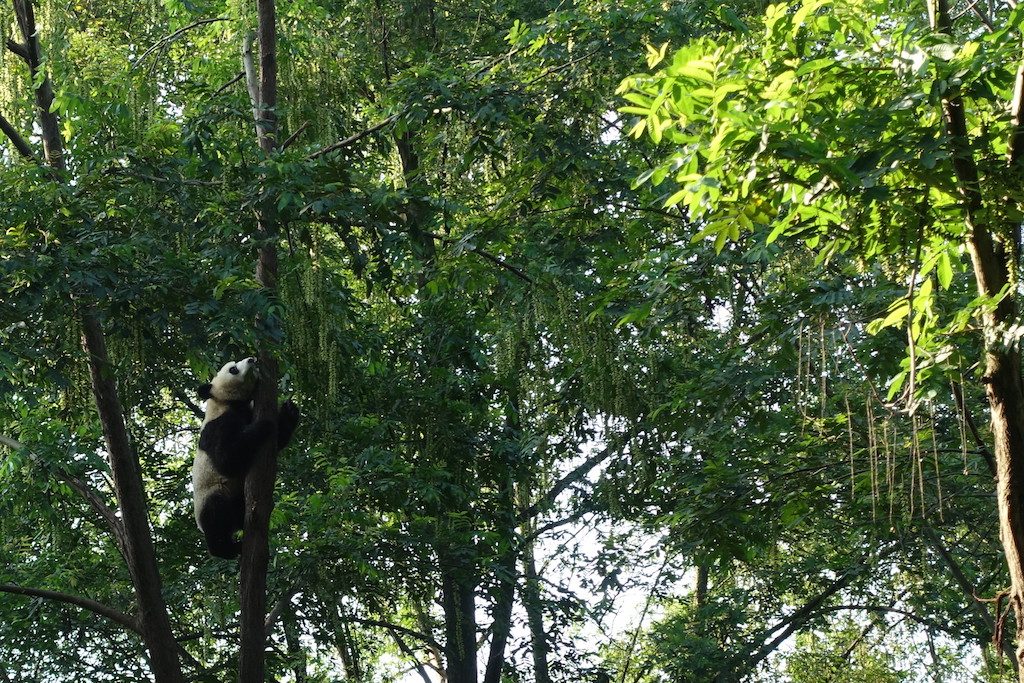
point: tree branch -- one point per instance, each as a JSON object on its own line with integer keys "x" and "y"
{"x": 19, "y": 142}
{"x": 17, "y": 48}
{"x": 294, "y": 136}
{"x": 408, "y": 652}
{"x": 576, "y": 475}
{"x": 970, "y": 592}
{"x": 174, "y": 36}
{"x": 252, "y": 83}
{"x": 279, "y": 607}
{"x": 352, "y": 139}
{"x": 239, "y": 76}
{"x": 484, "y": 255}
{"x": 395, "y": 627}
{"x": 958, "y": 394}
{"x": 81, "y": 488}
{"x": 93, "y": 606}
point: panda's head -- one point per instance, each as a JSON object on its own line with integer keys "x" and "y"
{"x": 236, "y": 381}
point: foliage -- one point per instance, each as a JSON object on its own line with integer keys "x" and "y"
{"x": 475, "y": 301}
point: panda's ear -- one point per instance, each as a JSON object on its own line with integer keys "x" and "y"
{"x": 206, "y": 391}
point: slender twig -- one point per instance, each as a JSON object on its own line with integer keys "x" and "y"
{"x": 352, "y": 139}
{"x": 577, "y": 474}
{"x": 395, "y": 627}
{"x": 294, "y": 136}
{"x": 174, "y": 36}
{"x": 113, "y": 522}
{"x": 93, "y": 606}
{"x": 239, "y": 76}
{"x": 485, "y": 255}
{"x": 161, "y": 179}
{"x": 958, "y": 396}
{"x": 279, "y": 608}
{"x": 252, "y": 83}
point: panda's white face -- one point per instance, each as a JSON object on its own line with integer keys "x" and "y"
{"x": 236, "y": 381}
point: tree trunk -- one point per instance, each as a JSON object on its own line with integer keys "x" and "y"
{"x": 458, "y": 600}
{"x": 535, "y": 617}
{"x": 992, "y": 261}
{"x": 131, "y": 499}
{"x": 505, "y": 521}
{"x": 137, "y": 542}
{"x": 504, "y": 593}
{"x": 259, "y": 483}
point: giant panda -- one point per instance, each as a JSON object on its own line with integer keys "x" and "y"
{"x": 228, "y": 443}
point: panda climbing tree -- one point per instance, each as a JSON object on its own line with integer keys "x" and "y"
{"x": 229, "y": 441}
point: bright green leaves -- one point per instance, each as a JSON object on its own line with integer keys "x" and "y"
{"x": 823, "y": 129}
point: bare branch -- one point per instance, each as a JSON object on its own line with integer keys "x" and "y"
{"x": 17, "y": 48}
{"x": 970, "y": 591}
{"x": 239, "y": 76}
{"x": 1016, "y": 146}
{"x": 395, "y": 627}
{"x": 113, "y": 522}
{"x": 279, "y": 608}
{"x": 252, "y": 82}
{"x": 352, "y": 139}
{"x": 294, "y": 136}
{"x": 85, "y": 603}
{"x": 484, "y": 255}
{"x": 958, "y": 395}
{"x": 408, "y": 652}
{"x": 189, "y": 403}
{"x": 174, "y": 36}
{"x": 576, "y": 475}
{"x": 16, "y": 139}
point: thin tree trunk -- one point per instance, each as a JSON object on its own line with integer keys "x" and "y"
{"x": 259, "y": 483}
{"x": 140, "y": 556}
{"x": 295, "y": 651}
{"x": 131, "y": 499}
{"x": 992, "y": 259}
{"x": 505, "y": 573}
{"x": 535, "y": 617}
{"x": 456, "y": 564}
{"x": 701, "y": 592}
{"x": 504, "y": 593}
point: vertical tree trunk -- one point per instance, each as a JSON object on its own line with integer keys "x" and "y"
{"x": 992, "y": 261}
{"x": 458, "y": 600}
{"x": 535, "y": 617}
{"x": 259, "y": 483}
{"x": 505, "y": 521}
{"x": 456, "y": 564}
{"x": 504, "y": 593}
{"x": 131, "y": 499}
{"x": 124, "y": 463}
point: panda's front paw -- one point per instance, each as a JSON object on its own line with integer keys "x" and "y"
{"x": 287, "y": 418}
{"x": 289, "y": 415}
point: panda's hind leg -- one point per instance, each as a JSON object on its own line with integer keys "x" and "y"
{"x": 220, "y": 518}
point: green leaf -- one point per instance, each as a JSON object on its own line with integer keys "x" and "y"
{"x": 944, "y": 270}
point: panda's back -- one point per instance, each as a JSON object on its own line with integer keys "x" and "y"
{"x": 221, "y": 419}
{"x": 206, "y": 481}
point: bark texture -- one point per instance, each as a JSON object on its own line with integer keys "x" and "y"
{"x": 259, "y": 483}
{"x": 992, "y": 260}
{"x": 137, "y": 541}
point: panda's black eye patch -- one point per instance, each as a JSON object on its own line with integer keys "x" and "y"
{"x": 233, "y": 370}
